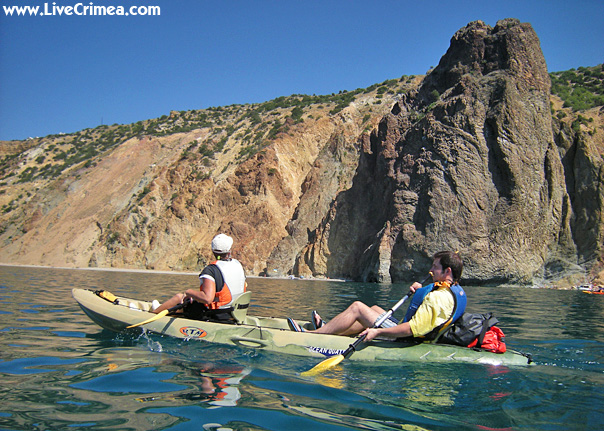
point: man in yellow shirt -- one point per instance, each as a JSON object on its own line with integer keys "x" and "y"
{"x": 436, "y": 308}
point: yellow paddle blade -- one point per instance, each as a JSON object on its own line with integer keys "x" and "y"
{"x": 325, "y": 365}
{"x": 157, "y": 316}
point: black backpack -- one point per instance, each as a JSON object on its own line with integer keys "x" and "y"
{"x": 469, "y": 327}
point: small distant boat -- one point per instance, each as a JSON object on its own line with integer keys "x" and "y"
{"x": 590, "y": 288}
{"x": 593, "y": 292}
{"x": 273, "y": 334}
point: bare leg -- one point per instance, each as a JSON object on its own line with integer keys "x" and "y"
{"x": 351, "y": 321}
{"x": 172, "y": 302}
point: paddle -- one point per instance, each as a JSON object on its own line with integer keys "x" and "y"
{"x": 157, "y": 316}
{"x": 335, "y": 360}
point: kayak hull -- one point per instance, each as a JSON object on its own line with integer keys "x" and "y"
{"x": 273, "y": 334}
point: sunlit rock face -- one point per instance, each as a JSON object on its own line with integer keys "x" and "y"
{"x": 468, "y": 162}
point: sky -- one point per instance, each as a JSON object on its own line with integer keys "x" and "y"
{"x": 64, "y": 73}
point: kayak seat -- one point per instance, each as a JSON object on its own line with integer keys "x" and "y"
{"x": 240, "y": 306}
{"x": 250, "y": 320}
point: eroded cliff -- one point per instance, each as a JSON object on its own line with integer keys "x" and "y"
{"x": 469, "y": 162}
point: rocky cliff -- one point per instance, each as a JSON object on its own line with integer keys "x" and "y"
{"x": 153, "y": 194}
{"x": 471, "y": 161}
{"x": 476, "y": 156}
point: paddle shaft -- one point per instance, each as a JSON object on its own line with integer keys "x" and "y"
{"x": 381, "y": 320}
{"x": 335, "y": 360}
{"x": 158, "y": 315}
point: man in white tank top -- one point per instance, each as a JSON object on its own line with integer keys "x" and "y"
{"x": 222, "y": 282}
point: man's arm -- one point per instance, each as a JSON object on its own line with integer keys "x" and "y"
{"x": 205, "y": 295}
{"x": 207, "y": 290}
{"x": 398, "y": 331}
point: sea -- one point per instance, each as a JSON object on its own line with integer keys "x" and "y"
{"x": 60, "y": 371}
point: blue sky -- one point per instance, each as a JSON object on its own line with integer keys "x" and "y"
{"x": 67, "y": 73}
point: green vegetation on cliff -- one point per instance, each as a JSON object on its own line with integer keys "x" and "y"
{"x": 254, "y": 124}
{"x": 580, "y": 89}
{"x": 250, "y": 128}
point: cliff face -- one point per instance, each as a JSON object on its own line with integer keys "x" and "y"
{"x": 366, "y": 185}
{"x": 156, "y": 199}
{"x": 468, "y": 162}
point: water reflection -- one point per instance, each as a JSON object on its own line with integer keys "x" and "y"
{"x": 423, "y": 386}
{"x": 59, "y": 370}
{"x": 213, "y": 383}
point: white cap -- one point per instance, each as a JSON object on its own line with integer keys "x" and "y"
{"x": 222, "y": 243}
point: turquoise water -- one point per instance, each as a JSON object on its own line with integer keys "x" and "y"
{"x": 59, "y": 371}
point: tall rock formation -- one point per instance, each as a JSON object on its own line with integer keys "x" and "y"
{"x": 468, "y": 162}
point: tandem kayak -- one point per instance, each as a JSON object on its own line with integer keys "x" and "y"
{"x": 273, "y": 334}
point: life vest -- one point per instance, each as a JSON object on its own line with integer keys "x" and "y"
{"x": 459, "y": 301}
{"x": 234, "y": 283}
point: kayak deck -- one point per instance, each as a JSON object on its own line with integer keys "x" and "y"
{"x": 273, "y": 334}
